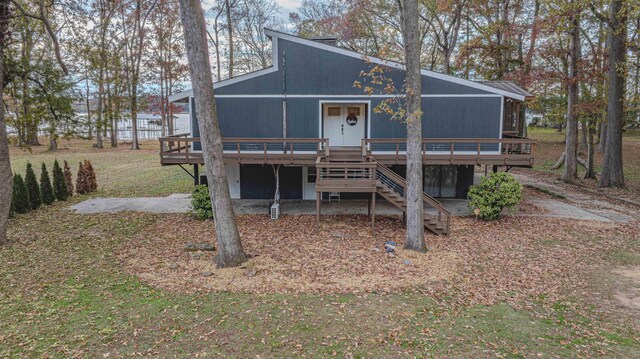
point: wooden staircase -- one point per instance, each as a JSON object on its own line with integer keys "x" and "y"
{"x": 352, "y": 170}
{"x": 392, "y": 187}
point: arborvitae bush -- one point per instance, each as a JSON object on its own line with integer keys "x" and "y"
{"x": 33, "y": 188}
{"x": 68, "y": 178}
{"x": 45, "y": 186}
{"x": 59, "y": 183}
{"x": 81, "y": 180}
{"x": 20, "y": 198}
{"x": 91, "y": 176}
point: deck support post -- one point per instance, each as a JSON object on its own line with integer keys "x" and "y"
{"x": 196, "y": 177}
{"x": 318, "y": 200}
{"x": 373, "y": 213}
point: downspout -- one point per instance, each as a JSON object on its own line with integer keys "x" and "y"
{"x": 284, "y": 99}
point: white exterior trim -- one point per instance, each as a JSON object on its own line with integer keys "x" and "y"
{"x": 355, "y": 96}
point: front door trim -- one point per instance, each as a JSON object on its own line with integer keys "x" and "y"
{"x": 367, "y": 103}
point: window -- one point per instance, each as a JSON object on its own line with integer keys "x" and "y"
{"x": 333, "y": 111}
{"x": 353, "y": 110}
{"x": 511, "y": 116}
{"x": 311, "y": 175}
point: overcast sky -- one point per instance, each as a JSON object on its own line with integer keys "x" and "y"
{"x": 288, "y": 6}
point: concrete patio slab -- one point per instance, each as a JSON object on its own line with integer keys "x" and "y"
{"x": 181, "y": 203}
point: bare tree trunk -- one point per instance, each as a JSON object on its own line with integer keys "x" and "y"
{"x": 584, "y": 134}
{"x": 591, "y": 173}
{"x": 415, "y": 211}
{"x": 612, "y": 168}
{"x": 230, "y": 251}
{"x": 230, "y": 34}
{"x": 99, "y": 119}
{"x": 570, "y": 172}
{"x": 602, "y": 140}
{"x": 6, "y": 177}
{"x": 86, "y": 83}
{"x": 134, "y": 116}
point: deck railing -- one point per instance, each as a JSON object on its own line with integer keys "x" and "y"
{"x": 450, "y": 149}
{"x": 182, "y": 149}
{"x": 332, "y": 176}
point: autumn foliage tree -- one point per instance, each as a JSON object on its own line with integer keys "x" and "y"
{"x": 86, "y": 181}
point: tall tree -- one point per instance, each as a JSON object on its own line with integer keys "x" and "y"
{"x": 134, "y": 22}
{"x": 228, "y": 5}
{"x": 413, "y": 105}
{"x": 570, "y": 172}
{"x": 230, "y": 251}
{"x": 444, "y": 19}
{"x": 612, "y": 167}
{"x": 6, "y": 177}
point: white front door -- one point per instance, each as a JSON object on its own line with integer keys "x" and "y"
{"x": 344, "y": 124}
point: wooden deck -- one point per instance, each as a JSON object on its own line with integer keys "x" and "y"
{"x": 179, "y": 149}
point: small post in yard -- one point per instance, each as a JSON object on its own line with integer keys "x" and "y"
{"x": 196, "y": 177}
{"x": 318, "y": 199}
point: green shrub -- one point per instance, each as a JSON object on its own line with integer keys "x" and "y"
{"x": 493, "y": 194}
{"x": 201, "y": 203}
{"x": 59, "y": 183}
{"x": 45, "y": 186}
{"x": 33, "y": 188}
{"x": 20, "y": 198}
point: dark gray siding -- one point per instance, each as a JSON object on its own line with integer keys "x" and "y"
{"x": 447, "y": 117}
{"x": 246, "y": 117}
{"x": 302, "y": 117}
{"x": 270, "y": 83}
{"x": 314, "y": 71}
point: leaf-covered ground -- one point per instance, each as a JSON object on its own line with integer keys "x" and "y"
{"x": 521, "y": 287}
{"x": 551, "y": 146}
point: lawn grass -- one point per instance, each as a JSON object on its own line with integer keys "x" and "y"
{"x": 551, "y": 146}
{"x": 63, "y": 294}
{"x": 121, "y": 172}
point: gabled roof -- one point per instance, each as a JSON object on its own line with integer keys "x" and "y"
{"x": 514, "y": 91}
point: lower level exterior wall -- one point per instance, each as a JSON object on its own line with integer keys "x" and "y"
{"x": 296, "y": 182}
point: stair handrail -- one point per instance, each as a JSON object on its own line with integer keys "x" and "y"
{"x": 387, "y": 172}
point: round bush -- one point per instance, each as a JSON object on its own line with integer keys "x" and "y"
{"x": 493, "y": 194}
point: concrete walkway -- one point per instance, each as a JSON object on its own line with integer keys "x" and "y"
{"x": 576, "y": 204}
